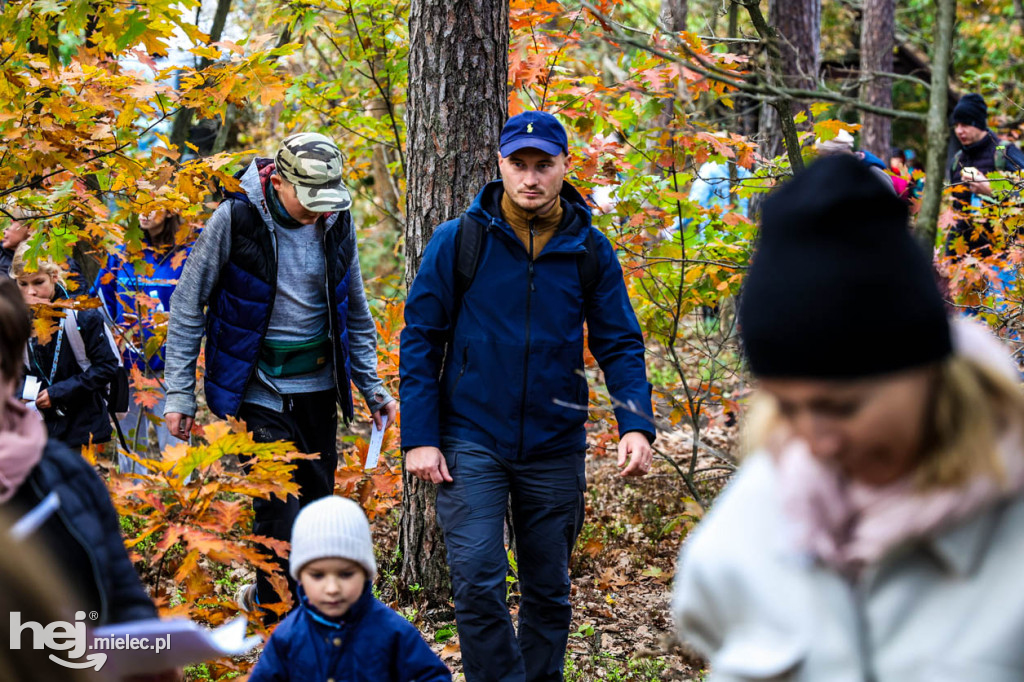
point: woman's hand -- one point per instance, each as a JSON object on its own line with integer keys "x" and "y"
{"x": 43, "y": 399}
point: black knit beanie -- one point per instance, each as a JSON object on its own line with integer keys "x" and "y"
{"x": 838, "y": 287}
{"x": 972, "y": 110}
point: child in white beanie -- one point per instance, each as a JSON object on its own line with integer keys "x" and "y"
{"x": 339, "y": 630}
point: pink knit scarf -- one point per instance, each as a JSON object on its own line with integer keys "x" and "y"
{"x": 22, "y": 439}
{"x": 848, "y": 525}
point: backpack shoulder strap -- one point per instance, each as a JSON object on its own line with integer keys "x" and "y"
{"x": 73, "y": 333}
{"x": 588, "y": 266}
{"x": 74, "y": 336}
{"x": 469, "y": 241}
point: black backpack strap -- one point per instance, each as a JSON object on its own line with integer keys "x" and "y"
{"x": 469, "y": 242}
{"x": 588, "y": 267}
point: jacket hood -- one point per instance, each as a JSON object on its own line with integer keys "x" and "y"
{"x": 254, "y": 180}
{"x": 486, "y": 208}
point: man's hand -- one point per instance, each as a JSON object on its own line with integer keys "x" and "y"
{"x": 976, "y": 181}
{"x": 635, "y": 447}
{"x": 180, "y": 425}
{"x": 43, "y": 399}
{"x": 389, "y": 412}
{"x": 427, "y": 464}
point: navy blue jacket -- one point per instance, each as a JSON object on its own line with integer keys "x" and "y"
{"x": 243, "y": 300}
{"x": 517, "y": 345}
{"x": 84, "y": 535}
{"x": 370, "y": 643}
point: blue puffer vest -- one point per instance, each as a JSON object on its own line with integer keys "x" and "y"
{"x": 241, "y": 304}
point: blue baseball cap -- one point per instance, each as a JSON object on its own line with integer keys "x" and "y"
{"x": 536, "y": 130}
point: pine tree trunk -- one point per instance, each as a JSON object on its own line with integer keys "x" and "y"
{"x": 876, "y": 45}
{"x": 797, "y": 24}
{"x": 458, "y": 99}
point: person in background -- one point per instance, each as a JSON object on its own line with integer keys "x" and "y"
{"x": 877, "y": 531}
{"x": 136, "y": 297}
{"x": 843, "y": 142}
{"x": 496, "y": 420}
{"x": 273, "y": 284}
{"x": 980, "y": 153}
{"x": 340, "y": 631}
{"x": 16, "y": 233}
{"x": 71, "y": 398}
{"x": 83, "y": 535}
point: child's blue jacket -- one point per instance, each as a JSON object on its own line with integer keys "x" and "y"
{"x": 370, "y": 643}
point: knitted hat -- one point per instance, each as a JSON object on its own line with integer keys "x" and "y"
{"x": 838, "y": 287}
{"x": 972, "y": 110}
{"x": 332, "y": 528}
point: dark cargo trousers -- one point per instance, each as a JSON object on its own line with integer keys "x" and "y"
{"x": 310, "y": 420}
{"x": 547, "y": 514}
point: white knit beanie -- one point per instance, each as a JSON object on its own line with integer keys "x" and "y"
{"x": 332, "y": 528}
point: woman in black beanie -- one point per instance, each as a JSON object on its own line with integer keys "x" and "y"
{"x": 877, "y": 531}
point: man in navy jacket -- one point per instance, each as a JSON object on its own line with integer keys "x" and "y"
{"x": 501, "y": 413}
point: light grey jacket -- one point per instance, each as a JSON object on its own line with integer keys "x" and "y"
{"x": 187, "y": 323}
{"x": 950, "y": 608}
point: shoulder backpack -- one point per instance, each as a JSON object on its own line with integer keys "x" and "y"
{"x": 117, "y": 390}
{"x": 469, "y": 242}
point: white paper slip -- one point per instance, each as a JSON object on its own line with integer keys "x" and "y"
{"x": 36, "y": 517}
{"x": 31, "y": 392}
{"x": 151, "y": 646}
{"x": 376, "y": 440}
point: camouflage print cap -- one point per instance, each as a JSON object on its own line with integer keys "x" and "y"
{"x": 312, "y": 162}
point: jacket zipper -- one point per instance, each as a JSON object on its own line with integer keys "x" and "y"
{"x": 863, "y": 632}
{"x": 266, "y": 324}
{"x": 331, "y": 305}
{"x": 85, "y": 546}
{"x": 526, "y": 356}
{"x": 462, "y": 369}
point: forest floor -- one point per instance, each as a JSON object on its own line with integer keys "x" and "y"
{"x": 622, "y": 571}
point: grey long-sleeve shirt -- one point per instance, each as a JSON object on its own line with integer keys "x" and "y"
{"x": 187, "y": 324}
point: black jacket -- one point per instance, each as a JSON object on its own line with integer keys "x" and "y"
{"x": 84, "y": 536}
{"x": 6, "y": 257}
{"x": 980, "y": 155}
{"x": 79, "y": 398}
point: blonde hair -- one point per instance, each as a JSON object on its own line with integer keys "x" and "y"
{"x": 20, "y": 262}
{"x": 972, "y": 407}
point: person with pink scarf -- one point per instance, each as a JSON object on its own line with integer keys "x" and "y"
{"x": 83, "y": 536}
{"x": 876, "y": 532}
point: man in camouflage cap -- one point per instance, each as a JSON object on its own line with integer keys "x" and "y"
{"x": 273, "y": 283}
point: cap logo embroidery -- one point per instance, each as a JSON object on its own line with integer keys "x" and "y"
{"x": 529, "y": 127}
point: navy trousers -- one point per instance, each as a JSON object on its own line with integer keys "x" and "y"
{"x": 547, "y": 514}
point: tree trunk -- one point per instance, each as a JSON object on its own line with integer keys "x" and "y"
{"x": 876, "y": 45}
{"x": 673, "y": 15}
{"x": 183, "y": 119}
{"x": 458, "y": 99}
{"x": 797, "y": 25}
{"x": 938, "y": 125}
